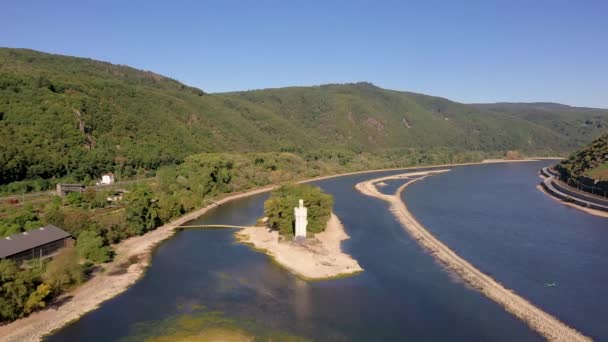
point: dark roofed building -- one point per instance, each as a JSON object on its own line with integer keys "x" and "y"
{"x": 64, "y": 189}
{"x": 40, "y": 243}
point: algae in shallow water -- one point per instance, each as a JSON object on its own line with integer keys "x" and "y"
{"x": 203, "y": 326}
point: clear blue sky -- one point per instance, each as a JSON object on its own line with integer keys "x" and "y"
{"x": 468, "y": 51}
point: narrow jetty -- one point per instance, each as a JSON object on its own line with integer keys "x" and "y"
{"x": 542, "y": 322}
{"x": 212, "y": 226}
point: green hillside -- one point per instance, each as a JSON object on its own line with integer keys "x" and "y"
{"x": 589, "y": 162}
{"x": 74, "y": 118}
{"x": 364, "y": 117}
{"x": 580, "y": 125}
{"x": 63, "y": 115}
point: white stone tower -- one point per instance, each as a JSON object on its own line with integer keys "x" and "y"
{"x": 300, "y": 214}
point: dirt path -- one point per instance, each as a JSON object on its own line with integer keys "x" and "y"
{"x": 542, "y": 322}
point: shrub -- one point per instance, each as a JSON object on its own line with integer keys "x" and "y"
{"x": 91, "y": 247}
{"x": 36, "y": 298}
{"x": 64, "y": 271}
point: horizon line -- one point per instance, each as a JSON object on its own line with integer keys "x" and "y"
{"x": 601, "y": 107}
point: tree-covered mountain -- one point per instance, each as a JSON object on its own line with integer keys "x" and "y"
{"x": 362, "y": 116}
{"x": 73, "y": 117}
{"x": 579, "y": 124}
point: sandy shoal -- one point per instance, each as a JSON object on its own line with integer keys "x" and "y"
{"x": 542, "y": 322}
{"x": 317, "y": 258}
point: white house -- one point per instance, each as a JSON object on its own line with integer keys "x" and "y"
{"x": 107, "y": 179}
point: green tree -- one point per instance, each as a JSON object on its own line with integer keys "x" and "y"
{"x": 64, "y": 270}
{"x": 142, "y": 210}
{"x": 20, "y": 220}
{"x": 91, "y": 247}
{"x": 279, "y": 207}
{"x": 36, "y": 298}
{"x": 15, "y": 288}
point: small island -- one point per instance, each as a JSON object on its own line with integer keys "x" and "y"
{"x": 301, "y": 233}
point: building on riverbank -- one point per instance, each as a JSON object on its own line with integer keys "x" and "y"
{"x": 106, "y": 179}
{"x": 41, "y": 243}
{"x": 64, "y": 189}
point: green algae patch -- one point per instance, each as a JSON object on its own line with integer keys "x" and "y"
{"x": 213, "y": 334}
{"x": 204, "y": 326}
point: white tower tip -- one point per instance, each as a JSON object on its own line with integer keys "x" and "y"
{"x": 300, "y": 214}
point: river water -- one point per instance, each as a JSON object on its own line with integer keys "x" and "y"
{"x": 201, "y": 282}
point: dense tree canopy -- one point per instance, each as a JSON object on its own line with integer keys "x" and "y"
{"x": 16, "y": 288}
{"x": 279, "y": 208}
{"x": 91, "y": 246}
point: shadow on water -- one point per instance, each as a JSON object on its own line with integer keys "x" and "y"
{"x": 402, "y": 294}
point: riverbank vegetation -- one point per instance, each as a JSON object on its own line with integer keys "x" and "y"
{"x": 279, "y": 208}
{"x": 24, "y": 290}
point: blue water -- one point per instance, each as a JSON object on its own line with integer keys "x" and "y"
{"x": 403, "y": 294}
{"x": 509, "y": 229}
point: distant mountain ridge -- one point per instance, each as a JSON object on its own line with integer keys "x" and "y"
{"x": 539, "y": 105}
{"x": 579, "y": 124}
{"x": 63, "y": 115}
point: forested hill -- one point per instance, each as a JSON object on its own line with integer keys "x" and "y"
{"x": 589, "y": 162}
{"x": 579, "y": 124}
{"x": 363, "y": 116}
{"x": 73, "y": 117}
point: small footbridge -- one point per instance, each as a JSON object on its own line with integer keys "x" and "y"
{"x": 212, "y": 226}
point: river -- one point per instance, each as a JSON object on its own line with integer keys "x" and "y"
{"x": 202, "y": 283}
